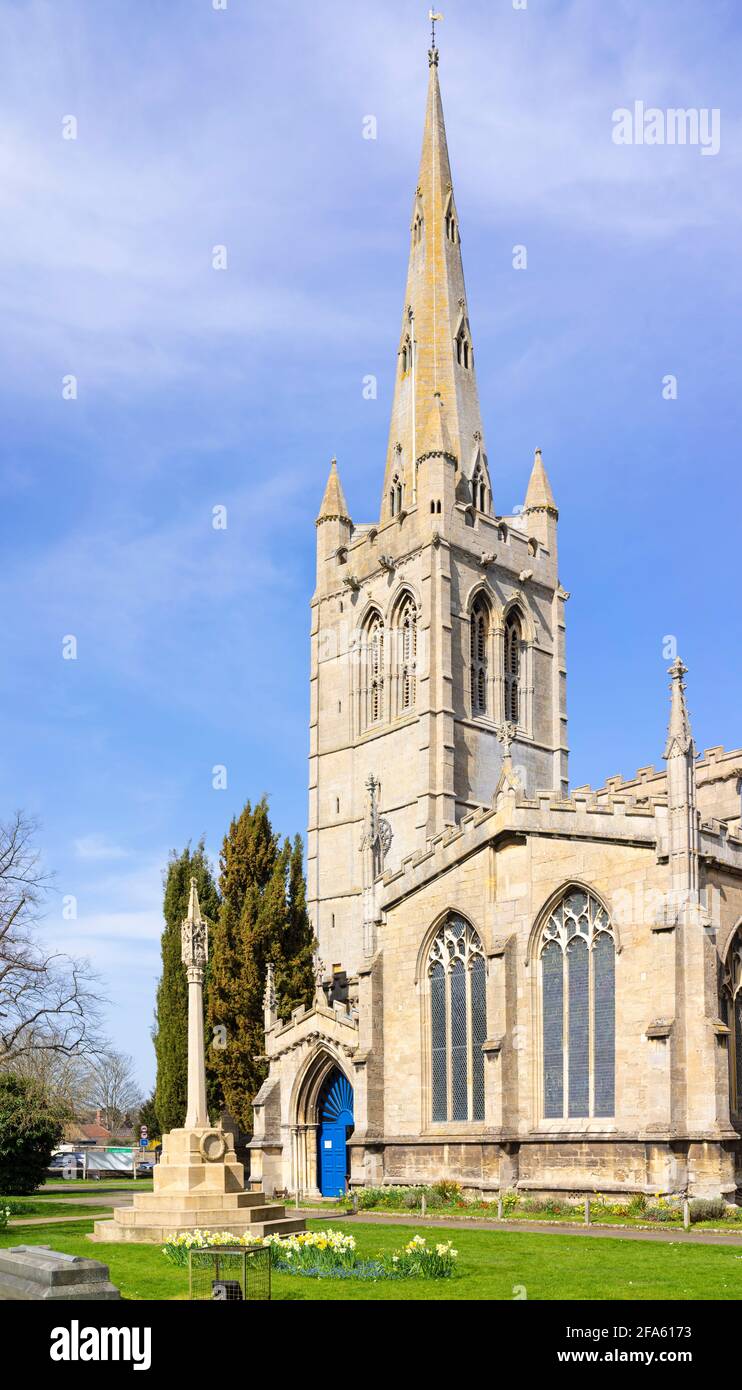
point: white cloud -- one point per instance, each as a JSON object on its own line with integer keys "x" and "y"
{"x": 96, "y": 847}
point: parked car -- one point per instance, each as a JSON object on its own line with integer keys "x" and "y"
{"x": 145, "y": 1167}
{"x": 64, "y": 1164}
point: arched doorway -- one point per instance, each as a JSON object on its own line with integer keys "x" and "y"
{"x": 335, "y": 1117}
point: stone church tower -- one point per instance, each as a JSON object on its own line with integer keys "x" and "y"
{"x": 519, "y": 985}
{"x": 408, "y": 690}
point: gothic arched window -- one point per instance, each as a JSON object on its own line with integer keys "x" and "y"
{"x": 479, "y": 490}
{"x": 373, "y": 662}
{"x": 578, "y": 1008}
{"x": 406, "y": 643}
{"x": 732, "y": 1010}
{"x": 478, "y": 644}
{"x": 458, "y": 1022}
{"x": 512, "y": 668}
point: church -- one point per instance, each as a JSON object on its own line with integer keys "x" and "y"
{"x": 520, "y": 985}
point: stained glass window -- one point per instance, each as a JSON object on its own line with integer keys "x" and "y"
{"x": 578, "y": 999}
{"x": 458, "y": 1022}
{"x": 733, "y": 1010}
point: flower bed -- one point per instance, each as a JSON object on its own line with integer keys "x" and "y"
{"x": 446, "y": 1199}
{"x": 327, "y": 1255}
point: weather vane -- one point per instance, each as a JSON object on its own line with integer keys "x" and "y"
{"x": 434, "y": 18}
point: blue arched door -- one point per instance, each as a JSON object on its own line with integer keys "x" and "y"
{"x": 335, "y": 1112}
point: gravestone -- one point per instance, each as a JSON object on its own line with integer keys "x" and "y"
{"x": 30, "y": 1272}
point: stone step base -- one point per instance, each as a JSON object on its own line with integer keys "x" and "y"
{"x": 154, "y": 1234}
{"x": 212, "y": 1218}
{"x": 198, "y": 1201}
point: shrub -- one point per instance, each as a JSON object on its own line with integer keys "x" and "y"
{"x": 447, "y": 1190}
{"x": 4, "y": 1215}
{"x": 663, "y": 1211}
{"x": 30, "y": 1126}
{"x": 708, "y": 1209}
{"x": 551, "y": 1206}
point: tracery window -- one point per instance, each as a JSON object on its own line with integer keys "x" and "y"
{"x": 732, "y": 1005}
{"x": 458, "y": 1022}
{"x": 577, "y": 960}
{"x": 512, "y": 668}
{"x": 478, "y": 643}
{"x": 373, "y": 662}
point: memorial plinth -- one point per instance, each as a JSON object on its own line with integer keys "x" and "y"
{"x": 198, "y": 1182}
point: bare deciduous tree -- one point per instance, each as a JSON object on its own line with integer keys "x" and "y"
{"x": 112, "y": 1087}
{"x": 47, "y": 1002}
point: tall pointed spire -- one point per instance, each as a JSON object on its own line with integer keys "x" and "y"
{"x": 435, "y": 350}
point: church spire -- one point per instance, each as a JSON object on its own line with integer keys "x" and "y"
{"x": 435, "y": 357}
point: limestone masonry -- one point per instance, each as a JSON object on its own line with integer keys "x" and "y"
{"x": 519, "y": 985}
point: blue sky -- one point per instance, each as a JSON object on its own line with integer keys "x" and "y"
{"x": 198, "y": 387}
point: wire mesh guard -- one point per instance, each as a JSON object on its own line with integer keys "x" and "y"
{"x": 222, "y": 1275}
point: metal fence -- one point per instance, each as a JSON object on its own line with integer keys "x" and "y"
{"x": 241, "y": 1275}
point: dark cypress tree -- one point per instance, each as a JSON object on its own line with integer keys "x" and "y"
{"x": 294, "y": 966}
{"x": 247, "y": 863}
{"x": 263, "y": 918}
{"x": 170, "y": 1033}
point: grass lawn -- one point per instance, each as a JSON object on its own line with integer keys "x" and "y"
{"x": 491, "y": 1265}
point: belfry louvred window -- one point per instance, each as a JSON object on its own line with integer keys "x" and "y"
{"x": 407, "y": 653}
{"x": 512, "y": 668}
{"x": 373, "y": 660}
{"x": 458, "y": 1022}
{"x": 478, "y": 642}
{"x": 578, "y": 1009}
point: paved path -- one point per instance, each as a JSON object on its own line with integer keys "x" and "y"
{"x": 122, "y": 1199}
{"x": 100, "y": 1208}
{"x": 542, "y": 1228}
{"x": 57, "y": 1220}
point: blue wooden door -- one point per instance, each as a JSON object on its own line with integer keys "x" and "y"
{"x": 335, "y": 1124}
